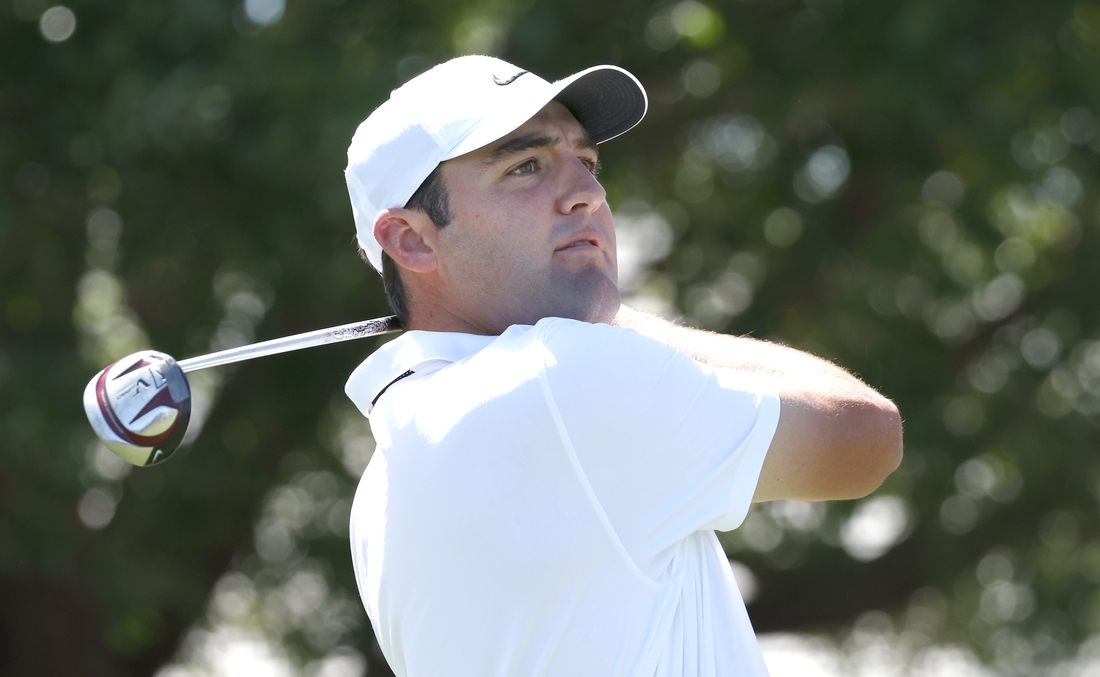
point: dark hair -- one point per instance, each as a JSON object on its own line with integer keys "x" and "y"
{"x": 430, "y": 198}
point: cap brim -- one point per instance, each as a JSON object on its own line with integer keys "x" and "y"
{"x": 606, "y": 100}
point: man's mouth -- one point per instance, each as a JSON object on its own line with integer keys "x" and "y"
{"x": 582, "y": 240}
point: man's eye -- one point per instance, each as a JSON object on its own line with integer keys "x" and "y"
{"x": 525, "y": 168}
{"x": 593, "y": 166}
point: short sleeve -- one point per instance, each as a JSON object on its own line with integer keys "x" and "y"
{"x": 670, "y": 446}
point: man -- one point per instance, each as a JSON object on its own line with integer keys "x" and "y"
{"x": 551, "y": 465}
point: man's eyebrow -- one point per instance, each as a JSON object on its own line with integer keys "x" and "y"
{"x": 587, "y": 143}
{"x": 518, "y": 145}
{"x": 527, "y": 142}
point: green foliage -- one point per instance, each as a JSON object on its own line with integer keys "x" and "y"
{"x": 907, "y": 188}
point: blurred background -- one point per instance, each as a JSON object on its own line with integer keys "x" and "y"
{"x": 907, "y": 187}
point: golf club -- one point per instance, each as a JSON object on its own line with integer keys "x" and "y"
{"x": 140, "y": 405}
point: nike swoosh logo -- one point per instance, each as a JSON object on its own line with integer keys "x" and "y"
{"x": 509, "y": 80}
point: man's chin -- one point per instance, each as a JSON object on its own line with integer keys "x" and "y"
{"x": 591, "y": 296}
{"x": 606, "y": 309}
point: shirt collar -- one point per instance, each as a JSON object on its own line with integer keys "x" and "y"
{"x": 407, "y": 352}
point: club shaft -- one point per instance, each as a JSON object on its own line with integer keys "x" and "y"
{"x": 320, "y": 337}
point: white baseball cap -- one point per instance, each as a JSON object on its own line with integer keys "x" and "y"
{"x": 460, "y": 106}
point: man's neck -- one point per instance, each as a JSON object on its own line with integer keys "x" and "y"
{"x": 428, "y": 317}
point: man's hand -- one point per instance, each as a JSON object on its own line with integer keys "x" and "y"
{"x": 837, "y": 437}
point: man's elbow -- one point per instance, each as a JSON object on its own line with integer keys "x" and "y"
{"x": 879, "y": 445}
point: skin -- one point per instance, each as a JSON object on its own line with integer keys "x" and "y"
{"x": 532, "y": 237}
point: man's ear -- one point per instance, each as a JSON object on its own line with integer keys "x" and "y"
{"x": 409, "y": 237}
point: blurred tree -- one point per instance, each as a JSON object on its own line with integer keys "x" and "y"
{"x": 908, "y": 188}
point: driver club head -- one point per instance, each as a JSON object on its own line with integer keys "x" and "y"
{"x": 139, "y": 406}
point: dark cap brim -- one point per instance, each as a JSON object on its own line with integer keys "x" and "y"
{"x": 606, "y": 100}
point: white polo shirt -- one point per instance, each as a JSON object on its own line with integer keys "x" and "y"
{"x": 543, "y": 503}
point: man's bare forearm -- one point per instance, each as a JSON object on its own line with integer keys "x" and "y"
{"x": 733, "y": 352}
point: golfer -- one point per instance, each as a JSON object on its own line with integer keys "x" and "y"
{"x": 551, "y": 466}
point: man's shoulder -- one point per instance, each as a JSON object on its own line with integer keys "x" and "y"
{"x": 597, "y": 348}
{"x": 566, "y": 347}
{"x": 561, "y": 330}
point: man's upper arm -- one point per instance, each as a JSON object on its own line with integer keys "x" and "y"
{"x": 835, "y": 440}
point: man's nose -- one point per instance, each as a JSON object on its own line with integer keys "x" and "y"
{"x": 583, "y": 192}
